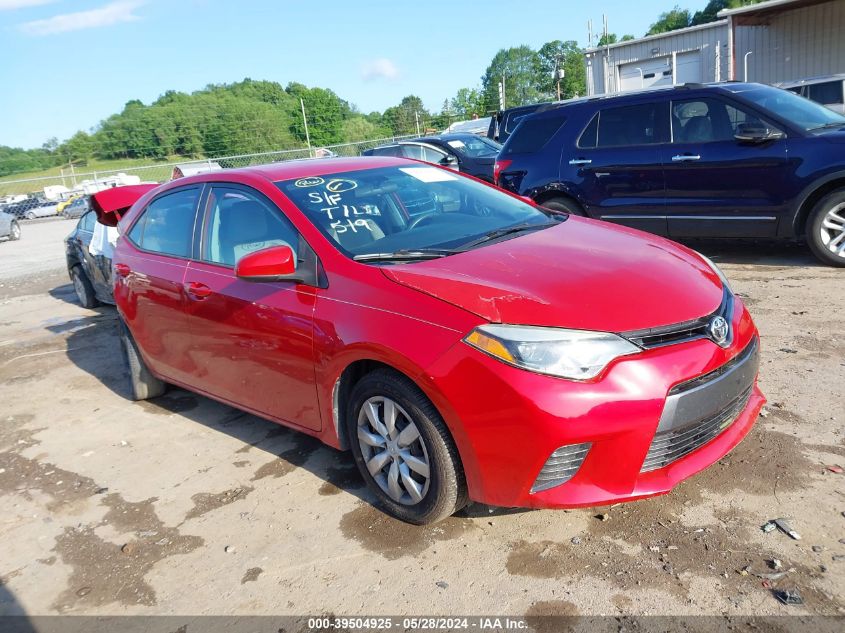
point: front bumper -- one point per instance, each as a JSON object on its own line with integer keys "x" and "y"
{"x": 507, "y": 421}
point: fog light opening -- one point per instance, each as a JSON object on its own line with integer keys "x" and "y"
{"x": 561, "y": 466}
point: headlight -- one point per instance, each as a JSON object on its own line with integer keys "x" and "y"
{"x": 575, "y": 354}
{"x": 718, "y": 271}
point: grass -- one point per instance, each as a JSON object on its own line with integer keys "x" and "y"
{"x": 9, "y": 185}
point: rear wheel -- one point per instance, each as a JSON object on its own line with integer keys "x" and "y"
{"x": 15, "y": 231}
{"x": 30, "y": 215}
{"x": 566, "y": 205}
{"x": 826, "y": 229}
{"x": 403, "y": 449}
{"x": 143, "y": 385}
{"x": 83, "y": 288}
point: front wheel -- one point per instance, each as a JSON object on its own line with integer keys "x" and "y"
{"x": 404, "y": 450}
{"x": 826, "y": 229}
{"x": 30, "y": 215}
{"x": 14, "y": 231}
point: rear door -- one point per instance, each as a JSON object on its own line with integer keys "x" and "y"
{"x": 150, "y": 279}
{"x": 717, "y": 186}
{"x": 617, "y": 167}
{"x": 251, "y": 342}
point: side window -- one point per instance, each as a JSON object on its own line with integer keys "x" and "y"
{"x": 413, "y": 151}
{"x": 391, "y": 150}
{"x": 533, "y": 133}
{"x": 826, "y": 93}
{"x": 432, "y": 155}
{"x": 707, "y": 120}
{"x": 86, "y": 222}
{"x": 589, "y": 137}
{"x": 629, "y": 125}
{"x": 166, "y": 226}
{"x": 239, "y": 222}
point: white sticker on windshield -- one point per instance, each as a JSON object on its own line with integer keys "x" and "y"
{"x": 428, "y": 174}
{"x": 457, "y": 144}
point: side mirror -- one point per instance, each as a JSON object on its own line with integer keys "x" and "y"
{"x": 449, "y": 161}
{"x": 756, "y": 133}
{"x": 277, "y": 263}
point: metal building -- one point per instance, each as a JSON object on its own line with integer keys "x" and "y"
{"x": 770, "y": 42}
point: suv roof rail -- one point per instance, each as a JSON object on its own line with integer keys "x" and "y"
{"x": 692, "y": 85}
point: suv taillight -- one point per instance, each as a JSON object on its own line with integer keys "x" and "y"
{"x": 498, "y": 167}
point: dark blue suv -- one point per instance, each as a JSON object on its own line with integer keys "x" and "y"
{"x": 692, "y": 161}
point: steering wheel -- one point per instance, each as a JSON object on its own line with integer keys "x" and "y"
{"x": 421, "y": 218}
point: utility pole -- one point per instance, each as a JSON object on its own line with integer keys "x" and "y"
{"x": 417, "y": 119}
{"x": 305, "y": 123}
{"x": 558, "y": 75}
{"x": 504, "y": 94}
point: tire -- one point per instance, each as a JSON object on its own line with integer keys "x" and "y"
{"x": 826, "y": 229}
{"x": 83, "y": 288}
{"x": 565, "y": 205}
{"x": 14, "y": 231}
{"x": 439, "y": 495}
{"x": 30, "y": 215}
{"x": 143, "y": 385}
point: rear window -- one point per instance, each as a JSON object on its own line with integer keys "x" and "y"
{"x": 532, "y": 134}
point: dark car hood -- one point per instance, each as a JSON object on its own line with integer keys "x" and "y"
{"x": 582, "y": 274}
{"x": 835, "y": 135}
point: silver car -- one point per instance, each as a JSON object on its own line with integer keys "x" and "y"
{"x": 9, "y": 227}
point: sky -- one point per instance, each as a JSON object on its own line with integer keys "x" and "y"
{"x": 65, "y": 65}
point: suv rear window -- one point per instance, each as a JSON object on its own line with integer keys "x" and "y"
{"x": 532, "y": 134}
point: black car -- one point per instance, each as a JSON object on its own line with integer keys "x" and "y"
{"x": 692, "y": 161}
{"x": 467, "y": 153}
{"x": 504, "y": 122}
{"x": 90, "y": 274}
{"x": 76, "y": 209}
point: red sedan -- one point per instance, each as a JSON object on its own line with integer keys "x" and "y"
{"x": 462, "y": 342}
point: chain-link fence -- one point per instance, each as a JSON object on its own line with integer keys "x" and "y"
{"x": 29, "y": 198}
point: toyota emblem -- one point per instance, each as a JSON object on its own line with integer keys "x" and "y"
{"x": 719, "y": 330}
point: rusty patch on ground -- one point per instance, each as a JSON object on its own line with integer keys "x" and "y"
{"x": 393, "y": 539}
{"x": 551, "y": 616}
{"x": 20, "y": 475}
{"x": 205, "y": 502}
{"x": 251, "y": 575}
{"x": 339, "y": 479}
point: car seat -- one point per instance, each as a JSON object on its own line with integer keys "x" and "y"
{"x": 699, "y": 129}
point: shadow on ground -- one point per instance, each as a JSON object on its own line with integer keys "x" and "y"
{"x": 756, "y": 252}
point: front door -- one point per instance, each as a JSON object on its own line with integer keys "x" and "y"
{"x": 617, "y": 167}
{"x": 717, "y": 186}
{"x": 251, "y": 342}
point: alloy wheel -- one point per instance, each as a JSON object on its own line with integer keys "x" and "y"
{"x": 16, "y": 231}
{"x": 393, "y": 450}
{"x": 832, "y": 230}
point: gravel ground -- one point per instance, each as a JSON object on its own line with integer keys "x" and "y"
{"x": 114, "y": 507}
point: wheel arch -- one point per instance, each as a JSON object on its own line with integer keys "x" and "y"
{"x": 817, "y": 191}
{"x": 556, "y": 190}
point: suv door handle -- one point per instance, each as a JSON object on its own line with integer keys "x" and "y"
{"x": 684, "y": 158}
{"x": 198, "y": 290}
{"x": 580, "y": 161}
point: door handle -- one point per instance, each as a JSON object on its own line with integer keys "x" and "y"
{"x": 684, "y": 158}
{"x": 198, "y": 290}
{"x": 580, "y": 161}
{"x": 122, "y": 270}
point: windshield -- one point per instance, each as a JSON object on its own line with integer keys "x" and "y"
{"x": 404, "y": 209}
{"x": 474, "y": 146}
{"x": 799, "y": 111}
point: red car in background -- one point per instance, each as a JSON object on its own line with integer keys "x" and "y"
{"x": 464, "y": 344}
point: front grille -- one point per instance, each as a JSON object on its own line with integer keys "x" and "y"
{"x": 672, "y": 445}
{"x": 682, "y": 332}
{"x": 561, "y": 466}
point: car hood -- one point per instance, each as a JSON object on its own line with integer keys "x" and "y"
{"x": 582, "y": 274}
{"x": 834, "y": 135}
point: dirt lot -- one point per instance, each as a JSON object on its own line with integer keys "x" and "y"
{"x": 185, "y": 506}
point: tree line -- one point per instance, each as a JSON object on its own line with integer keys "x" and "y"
{"x": 258, "y": 116}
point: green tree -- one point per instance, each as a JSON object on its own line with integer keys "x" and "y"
{"x": 465, "y": 103}
{"x": 520, "y": 67}
{"x": 710, "y": 11}
{"x": 403, "y": 118}
{"x": 672, "y": 20}
{"x": 568, "y": 57}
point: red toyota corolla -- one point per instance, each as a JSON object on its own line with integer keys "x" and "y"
{"x": 460, "y": 341}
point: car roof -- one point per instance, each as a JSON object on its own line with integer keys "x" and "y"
{"x": 301, "y": 168}
{"x": 455, "y": 136}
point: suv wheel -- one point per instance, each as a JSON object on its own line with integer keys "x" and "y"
{"x": 403, "y": 449}
{"x": 566, "y": 205}
{"x": 826, "y": 229}
{"x": 141, "y": 380}
{"x": 14, "y": 231}
{"x": 83, "y": 288}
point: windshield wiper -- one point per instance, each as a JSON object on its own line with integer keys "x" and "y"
{"x": 405, "y": 255}
{"x": 508, "y": 230}
{"x": 828, "y": 125}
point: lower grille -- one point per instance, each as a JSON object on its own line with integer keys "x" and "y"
{"x": 561, "y": 466}
{"x": 676, "y": 443}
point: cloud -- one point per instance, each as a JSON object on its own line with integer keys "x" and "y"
{"x": 8, "y": 5}
{"x": 112, "y": 13}
{"x": 381, "y": 68}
